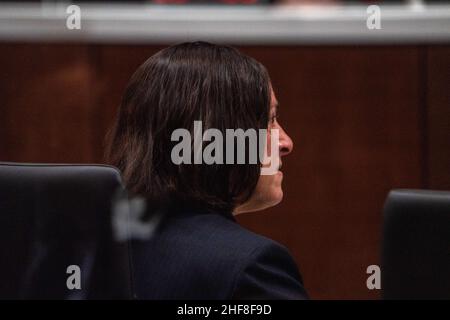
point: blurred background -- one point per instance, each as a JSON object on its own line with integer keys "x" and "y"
{"x": 368, "y": 108}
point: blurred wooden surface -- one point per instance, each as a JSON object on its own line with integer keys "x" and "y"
{"x": 437, "y": 97}
{"x": 364, "y": 120}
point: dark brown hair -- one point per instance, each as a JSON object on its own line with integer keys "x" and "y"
{"x": 215, "y": 84}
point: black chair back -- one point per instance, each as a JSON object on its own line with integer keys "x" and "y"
{"x": 56, "y": 229}
{"x": 416, "y": 245}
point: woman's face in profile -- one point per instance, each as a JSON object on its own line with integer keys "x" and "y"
{"x": 268, "y": 191}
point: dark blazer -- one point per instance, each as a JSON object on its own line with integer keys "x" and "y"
{"x": 210, "y": 256}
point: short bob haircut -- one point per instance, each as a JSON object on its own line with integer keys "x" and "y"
{"x": 215, "y": 84}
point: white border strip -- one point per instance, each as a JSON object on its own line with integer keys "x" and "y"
{"x": 153, "y": 24}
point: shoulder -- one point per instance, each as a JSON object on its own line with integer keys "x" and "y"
{"x": 209, "y": 256}
{"x": 270, "y": 273}
{"x": 266, "y": 268}
{"x": 260, "y": 267}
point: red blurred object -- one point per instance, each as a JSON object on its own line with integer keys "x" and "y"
{"x": 171, "y": 1}
{"x": 206, "y": 2}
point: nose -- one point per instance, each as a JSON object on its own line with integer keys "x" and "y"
{"x": 286, "y": 144}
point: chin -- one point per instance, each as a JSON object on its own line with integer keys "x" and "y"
{"x": 272, "y": 198}
{"x": 268, "y": 194}
{"x": 277, "y": 197}
{"x": 273, "y": 195}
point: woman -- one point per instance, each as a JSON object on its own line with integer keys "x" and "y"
{"x": 199, "y": 251}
